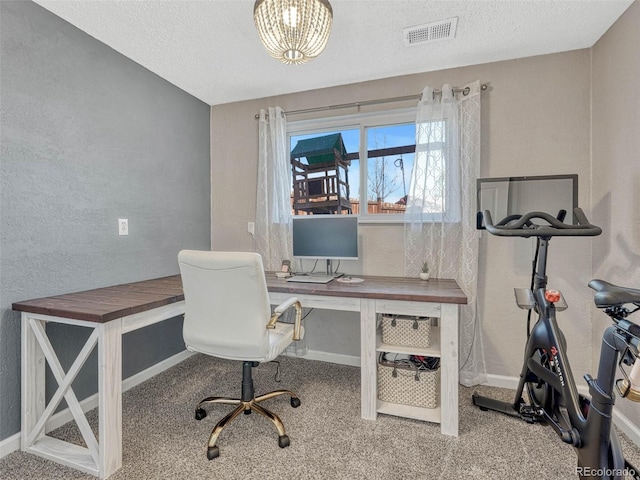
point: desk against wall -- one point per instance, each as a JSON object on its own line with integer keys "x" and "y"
{"x": 113, "y": 311}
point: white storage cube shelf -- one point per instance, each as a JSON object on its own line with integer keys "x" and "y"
{"x": 397, "y": 339}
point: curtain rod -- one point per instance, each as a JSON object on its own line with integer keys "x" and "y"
{"x": 464, "y": 91}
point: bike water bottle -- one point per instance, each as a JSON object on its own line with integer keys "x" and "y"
{"x": 634, "y": 380}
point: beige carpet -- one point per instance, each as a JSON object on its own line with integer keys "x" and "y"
{"x": 329, "y": 440}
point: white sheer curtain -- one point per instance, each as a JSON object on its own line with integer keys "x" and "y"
{"x": 440, "y": 216}
{"x": 273, "y": 202}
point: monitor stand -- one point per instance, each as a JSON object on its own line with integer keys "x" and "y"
{"x": 316, "y": 277}
{"x": 330, "y": 270}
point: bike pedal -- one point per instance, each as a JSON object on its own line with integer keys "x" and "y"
{"x": 530, "y": 414}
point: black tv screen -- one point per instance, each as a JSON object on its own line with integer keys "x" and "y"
{"x": 504, "y": 196}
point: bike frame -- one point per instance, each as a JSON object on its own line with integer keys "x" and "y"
{"x": 565, "y": 409}
{"x": 546, "y": 374}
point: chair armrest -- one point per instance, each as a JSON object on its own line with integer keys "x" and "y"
{"x": 283, "y": 307}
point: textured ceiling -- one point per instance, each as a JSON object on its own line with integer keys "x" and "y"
{"x": 210, "y": 48}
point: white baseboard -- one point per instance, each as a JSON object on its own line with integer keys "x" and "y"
{"x": 620, "y": 420}
{"x": 627, "y": 426}
{"x": 9, "y": 445}
{"x": 332, "y": 358}
{"x": 91, "y": 402}
{"x": 502, "y": 381}
{"x": 12, "y": 443}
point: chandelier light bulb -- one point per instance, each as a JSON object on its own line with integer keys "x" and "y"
{"x": 290, "y": 17}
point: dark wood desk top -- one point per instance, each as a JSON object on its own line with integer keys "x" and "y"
{"x": 105, "y": 304}
{"x": 389, "y": 288}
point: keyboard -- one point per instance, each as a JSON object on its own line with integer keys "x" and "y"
{"x": 311, "y": 278}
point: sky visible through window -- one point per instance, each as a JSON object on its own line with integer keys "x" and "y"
{"x": 389, "y": 176}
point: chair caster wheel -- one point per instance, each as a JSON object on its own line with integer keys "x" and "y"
{"x": 283, "y": 441}
{"x": 200, "y": 413}
{"x": 247, "y": 412}
{"x": 295, "y": 402}
{"x": 213, "y": 452}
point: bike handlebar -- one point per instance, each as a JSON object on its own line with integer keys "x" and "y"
{"x": 523, "y": 225}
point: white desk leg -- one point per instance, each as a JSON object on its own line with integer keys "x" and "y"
{"x": 449, "y": 369}
{"x": 33, "y": 382}
{"x": 110, "y": 396}
{"x": 368, "y": 361}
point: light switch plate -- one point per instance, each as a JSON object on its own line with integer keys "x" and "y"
{"x": 123, "y": 226}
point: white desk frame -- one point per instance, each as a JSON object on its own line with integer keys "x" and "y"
{"x": 103, "y": 456}
{"x": 369, "y": 308}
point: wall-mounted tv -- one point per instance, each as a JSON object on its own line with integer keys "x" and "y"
{"x": 506, "y": 196}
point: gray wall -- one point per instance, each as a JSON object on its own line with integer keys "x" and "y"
{"x": 89, "y": 136}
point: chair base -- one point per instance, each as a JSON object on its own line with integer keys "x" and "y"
{"x": 247, "y": 404}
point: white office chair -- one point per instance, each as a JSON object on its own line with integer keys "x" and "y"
{"x": 228, "y": 315}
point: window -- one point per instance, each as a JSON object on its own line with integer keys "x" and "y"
{"x": 362, "y": 165}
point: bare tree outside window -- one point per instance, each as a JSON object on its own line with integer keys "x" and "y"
{"x": 383, "y": 179}
{"x": 389, "y": 163}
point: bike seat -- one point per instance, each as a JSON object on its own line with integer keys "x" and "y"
{"x": 609, "y": 295}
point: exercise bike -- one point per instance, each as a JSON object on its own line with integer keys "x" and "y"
{"x": 553, "y": 398}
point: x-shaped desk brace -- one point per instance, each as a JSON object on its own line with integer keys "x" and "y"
{"x": 99, "y": 458}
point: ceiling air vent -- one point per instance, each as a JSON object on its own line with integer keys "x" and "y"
{"x": 442, "y": 30}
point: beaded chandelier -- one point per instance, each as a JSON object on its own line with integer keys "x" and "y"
{"x": 293, "y": 31}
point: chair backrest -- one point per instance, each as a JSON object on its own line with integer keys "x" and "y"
{"x": 226, "y": 303}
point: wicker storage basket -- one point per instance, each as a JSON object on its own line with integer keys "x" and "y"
{"x": 406, "y": 331}
{"x": 398, "y": 383}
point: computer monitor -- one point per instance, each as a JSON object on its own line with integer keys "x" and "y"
{"x": 331, "y": 237}
{"x": 519, "y": 195}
